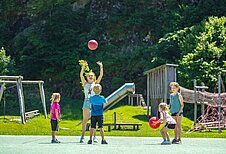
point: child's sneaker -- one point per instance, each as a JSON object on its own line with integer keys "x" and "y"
{"x": 178, "y": 141}
{"x": 81, "y": 140}
{"x": 104, "y": 142}
{"x": 89, "y": 142}
{"x": 165, "y": 143}
{"x": 95, "y": 140}
{"x": 55, "y": 141}
{"x": 174, "y": 141}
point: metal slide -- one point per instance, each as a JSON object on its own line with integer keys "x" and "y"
{"x": 122, "y": 92}
{"x": 118, "y": 95}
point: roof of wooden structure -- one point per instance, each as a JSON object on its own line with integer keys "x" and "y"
{"x": 159, "y": 67}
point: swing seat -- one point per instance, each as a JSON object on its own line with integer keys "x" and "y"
{"x": 31, "y": 114}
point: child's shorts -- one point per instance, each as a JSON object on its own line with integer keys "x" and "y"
{"x": 95, "y": 120}
{"x": 86, "y": 104}
{"x": 170, "y": 126}
{"x": 175, "y": 114}
{"x": 54, "y": 125}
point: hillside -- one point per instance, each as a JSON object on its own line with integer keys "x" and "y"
{"x": 45, "y": 39}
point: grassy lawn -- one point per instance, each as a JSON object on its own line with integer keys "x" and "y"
{"x": 125, "y": 114}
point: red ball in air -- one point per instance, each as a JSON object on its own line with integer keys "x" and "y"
{"x": 92, "y": 44}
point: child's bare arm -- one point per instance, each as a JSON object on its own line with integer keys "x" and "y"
{"x": 101, "y": 72}
{"x": 81, "y": 74}
{"x": 105, "y": 104}
{"x": 181, "y": 105}
{"x": 160, "y": 120}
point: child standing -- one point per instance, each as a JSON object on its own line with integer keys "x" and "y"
{"x": 55, "y": 115}
{"x": 88, "y": 84}
{"x": 176, "y": 108}
{"x": 168, "y": 120}
{"x": 97, "y": 109}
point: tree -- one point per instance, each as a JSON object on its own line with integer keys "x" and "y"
{"x": 200, "y": 51}
{"x": 205, "y": 60}
{"x": 4, "y": 62}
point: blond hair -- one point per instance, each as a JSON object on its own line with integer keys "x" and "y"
{"x": 97, "y": 89}
{"x": 174, "y": 84}
{"x": 163, "y": 106}
{"x": 54, "y": 97}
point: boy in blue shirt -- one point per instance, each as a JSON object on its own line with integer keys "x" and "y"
{"x": 97, "y": 109}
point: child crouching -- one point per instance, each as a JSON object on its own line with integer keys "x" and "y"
{"x": 168, "y": 120}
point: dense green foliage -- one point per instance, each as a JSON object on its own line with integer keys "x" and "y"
{"x": 4, "y": 62}
{"x": 201, "y": 51}
{"x": 46, "y": 39}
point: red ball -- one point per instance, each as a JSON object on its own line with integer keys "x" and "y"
{"x": 151, "y": 120}
{"x": 92, "y": 44}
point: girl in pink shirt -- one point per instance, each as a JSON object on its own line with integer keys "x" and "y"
{"x": 166, "y": 119}
{"x": 55, "y": 115}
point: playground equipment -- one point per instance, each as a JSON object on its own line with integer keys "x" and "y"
{"x": 213, "y": 105}
{"x": 122, "y": 92}
{"x": 118, "y": 125}
{"x": 128, "y": 89}
{"x": 158, "y": 80}
{"x": 18, "y": 80}
{"x": 139, "y": 100}
{"x": 214, "y": 116}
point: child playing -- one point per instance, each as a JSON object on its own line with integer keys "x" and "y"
{"x": 168, "y": 120}
{"x": 88, "y": 84}
{"x": 55, "y": 115}
{"x": 176, "y": 108}
{"x": 97, "y": 109}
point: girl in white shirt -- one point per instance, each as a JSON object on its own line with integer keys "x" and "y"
{"x": 88, "y": 84}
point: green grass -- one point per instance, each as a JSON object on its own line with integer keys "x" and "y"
{"x": 126, "y": 114}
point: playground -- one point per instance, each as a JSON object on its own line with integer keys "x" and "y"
{"x": 129, "y": 120}
{"x": 112, "y": 77}
{"x": 70, "y": 144}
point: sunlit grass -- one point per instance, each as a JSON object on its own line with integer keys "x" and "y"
{"x": 126, "y": 114}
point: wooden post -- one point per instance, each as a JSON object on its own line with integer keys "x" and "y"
{"x": 195, "y": 103}
{"x": 21, "y": 99}
{"x": 22, "y": 91}
{"x": 2, "y": 86}
{"x": 137, "y": 100}
{"x": 175, "y": 74}
{"x": 42, "y": 94}
{"x": 140, "y": 99}
{"x": 219, "y": 103}
{"x": 165, "y": 86}
{"x": 114, "y": 120}
{"x": 202, "y": 103}
{"x": 148, "y": 94}
{"x": 129, "y": 99}
{"x": 132, "y": 100}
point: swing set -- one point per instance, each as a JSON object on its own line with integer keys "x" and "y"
{"x": 18, "y": 81}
